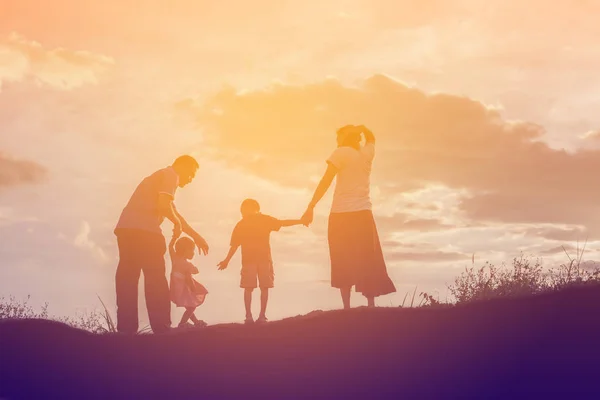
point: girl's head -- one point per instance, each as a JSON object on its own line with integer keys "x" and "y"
{"x": 249, "y": 207}
{"x": 349, "y": 136}
{"x": 185, "y": 247}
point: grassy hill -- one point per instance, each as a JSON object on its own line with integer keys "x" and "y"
{"x": 544, "y": 346}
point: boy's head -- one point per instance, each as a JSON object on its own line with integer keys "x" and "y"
{"x": 185, "y": 247}
{"x": 249, "y": 207}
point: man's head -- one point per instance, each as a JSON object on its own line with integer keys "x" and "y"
{"x": 186, "y": 167}
{"x": 249, "y": 207}
{"x": 349, "y": 135}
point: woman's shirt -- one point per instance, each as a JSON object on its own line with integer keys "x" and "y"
{"x": 353, "y": 181}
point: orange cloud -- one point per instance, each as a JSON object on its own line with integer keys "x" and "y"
{"x": 406, "y": 222}
{"x": 434, "y": 256}
{"x": 561, "y": 234}
{"x": 15, "y": 172}
{"x": 559, "y": 250}
{"x": 591, "y": 135}
{"x": 284, "y": 133}
{"x": 59, "y": 68}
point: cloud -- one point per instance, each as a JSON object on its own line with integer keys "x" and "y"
{"x": 434, "y": 256}
{"x": 406, "y": 222}
{"x": 59, "y": 68}
{"x": 83, "y": 241}
{"x": 558, "y": 233}
{"x": 284, "y": 133}
{"x": 15, "y": 172}
{"x": 424, "y": 224}
{"x": 558, "y": 250}
{"x": 591, "y": 135}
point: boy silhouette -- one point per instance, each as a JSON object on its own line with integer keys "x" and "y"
{"x": 253, "y": 233}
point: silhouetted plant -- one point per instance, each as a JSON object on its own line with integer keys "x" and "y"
{"x": 524, "y": 278}
{"x": 95, "y": 322}
{"x": 490, "y": 281}
{"x": 11, "y": 308}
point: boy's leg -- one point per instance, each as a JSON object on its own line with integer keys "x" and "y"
{"x": 248, "y": 283}
{"x": 248, "y": 302}
{"x": 345, "y": 292}
{"x": 264, "y": 298}
{"x": 266, "y": 278}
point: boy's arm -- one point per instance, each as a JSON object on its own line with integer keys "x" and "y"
{"x": 223, "y": 264}
{"x": 290, "y": 222}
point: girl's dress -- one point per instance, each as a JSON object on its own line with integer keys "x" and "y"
{"x": 185, "y": 290}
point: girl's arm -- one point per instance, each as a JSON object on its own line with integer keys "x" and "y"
{"x": 172, "y": 247}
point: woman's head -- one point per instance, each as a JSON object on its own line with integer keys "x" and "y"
{"x": 349, "y": 136}
{"x": 249, "y": 207}
{"x": 185, "y": 247}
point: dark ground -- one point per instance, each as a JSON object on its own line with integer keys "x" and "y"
{"x": 538, "y": 347}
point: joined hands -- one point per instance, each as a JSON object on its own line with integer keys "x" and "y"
{"x": 307, "y": 217}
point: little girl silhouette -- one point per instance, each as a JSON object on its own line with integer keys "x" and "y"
{"x": 185, "y": 291}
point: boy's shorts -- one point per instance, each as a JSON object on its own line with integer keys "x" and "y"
{"x": 261, "y": 271}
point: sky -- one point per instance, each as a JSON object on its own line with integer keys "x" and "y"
{"x": 485, "y": 115}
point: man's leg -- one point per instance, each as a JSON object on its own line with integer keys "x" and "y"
{"x": 156, "y": 287}
{"x": 345, "y": 292}
{"x": 126, "y": 282}
{"x": 248, "y": 302}
{"x": 264, "y": 298}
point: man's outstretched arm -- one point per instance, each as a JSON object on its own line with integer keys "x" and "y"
{"x": 187, "y": 229}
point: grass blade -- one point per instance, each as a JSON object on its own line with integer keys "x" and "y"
{"x": 413, "y": 297}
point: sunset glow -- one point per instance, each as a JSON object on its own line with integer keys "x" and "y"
{"x": 485, "y": 115}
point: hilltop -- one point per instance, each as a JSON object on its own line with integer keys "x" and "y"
{"x": 543, "y": 346}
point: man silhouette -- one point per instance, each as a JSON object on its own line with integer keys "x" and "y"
{"x": 142, "y": 246}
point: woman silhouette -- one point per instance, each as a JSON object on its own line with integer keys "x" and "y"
{"x": 354, "y": 247}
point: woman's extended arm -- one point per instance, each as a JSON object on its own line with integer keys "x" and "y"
{"x": 320, "y": 191}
